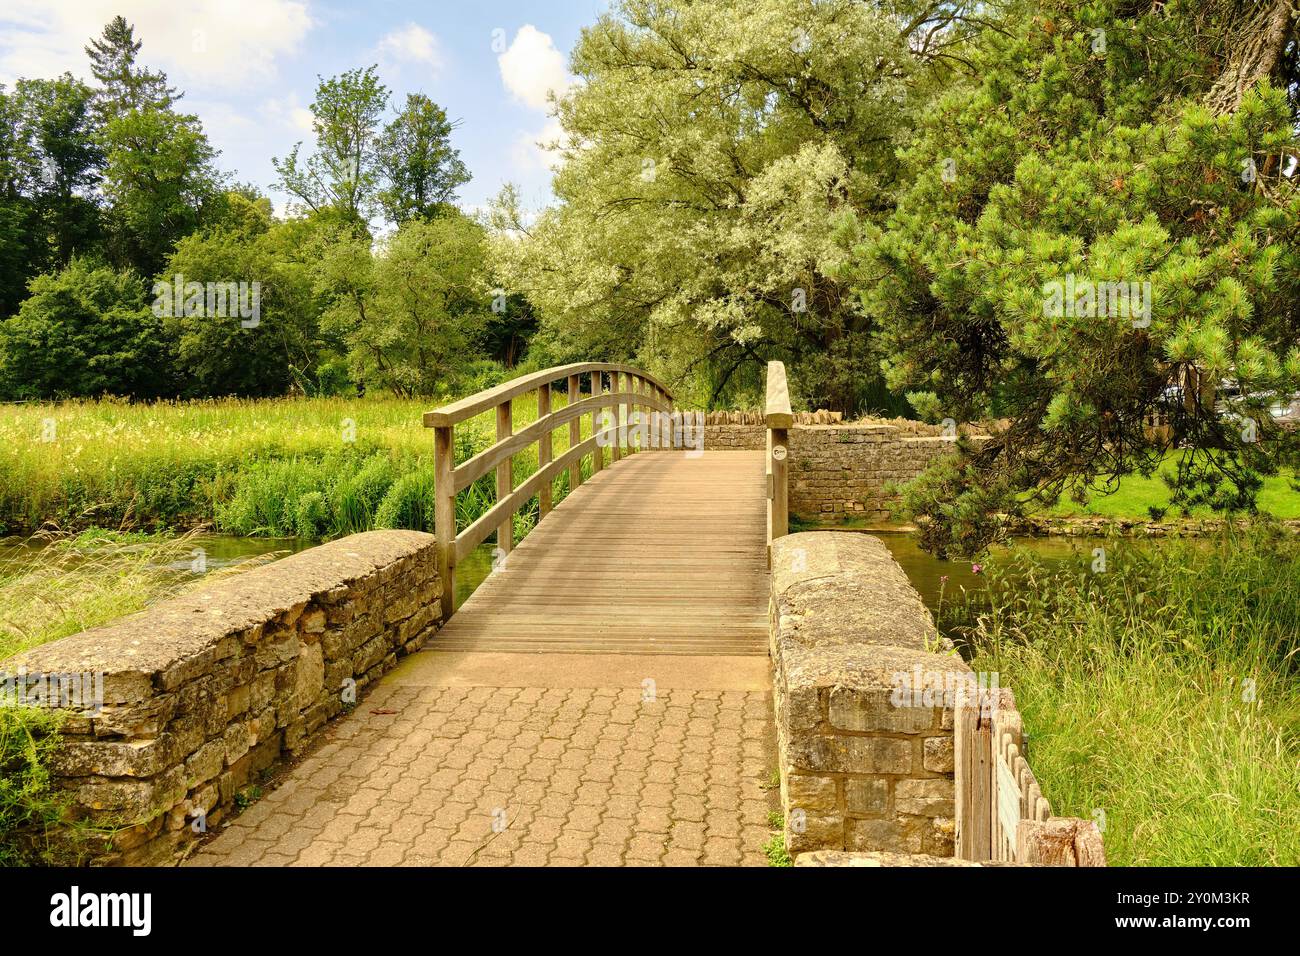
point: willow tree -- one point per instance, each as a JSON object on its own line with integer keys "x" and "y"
{"x": 713, "y": 167}
{"x": 1100, "y": 235}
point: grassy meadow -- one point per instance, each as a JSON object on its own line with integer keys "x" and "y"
{"x": 318, "y": 467}
{"x": 1161, "y": 696}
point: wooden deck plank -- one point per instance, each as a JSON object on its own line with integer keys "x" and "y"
{"x": 659, "y": 553}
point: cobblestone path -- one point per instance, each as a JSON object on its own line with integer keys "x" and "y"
{"x": 598, "y": 760}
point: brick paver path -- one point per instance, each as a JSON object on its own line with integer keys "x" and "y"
{"x": 434, "y": 769}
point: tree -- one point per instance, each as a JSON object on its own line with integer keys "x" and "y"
{"x": 714, "y": 169}
{"x": 222, "y": 352}
{"x": 158, "y": 164}
{"x": 343, "y": 173}
{"x": 124, "y": 86}
{"x": 19, "y": 218}
{"x": 158, "y": 176}
{"x": 57, "y": 126}
{"x": 420, "y": 169}
{"x": 411, "y": 319}
{"x": 84, "y": 331}
{"x": 1093, "y": 235}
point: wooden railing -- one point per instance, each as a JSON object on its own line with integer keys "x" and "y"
{"x": 779, "y": 419}
{"x": 1002, "y": 815}
{"x": 629, "y": 388}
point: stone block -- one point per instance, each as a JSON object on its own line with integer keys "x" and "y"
{"x": 876, "y": 710}
{"x": 310, "y": 674}
{"x": 938, "y": 754}
{"x": 928, "y": 797}
{"x": 811, "y": 793}
{"x": 866, "y": 796}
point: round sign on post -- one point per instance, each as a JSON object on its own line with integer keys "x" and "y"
{"x": 778, "y": 452}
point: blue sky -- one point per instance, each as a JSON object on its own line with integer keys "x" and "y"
{"x": 249, "y": 68}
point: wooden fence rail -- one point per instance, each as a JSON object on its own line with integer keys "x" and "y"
{"x": 630, "y": 391}
{"x": 1002, "y": 815}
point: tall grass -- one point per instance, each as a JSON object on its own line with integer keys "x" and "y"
{"x": 1161, "y": 696}
{"x": 311, "y": 467}
{"x": 74, "y": 583}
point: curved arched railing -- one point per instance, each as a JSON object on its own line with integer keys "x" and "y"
{"x": 630, "y": 391}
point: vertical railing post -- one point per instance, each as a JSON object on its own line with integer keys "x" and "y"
{"x": 638, "y": 412}
{"x": 597, "y": 456}
{"x": 779, "y": 420}
{"x": 616, "y": 380}
{"x": 633, "y": 383}
{"x": 544, "y": 450}
{"x": 444, "y": 515}
{"x": 505, "y": 476}
{"x": 575, "y": 436}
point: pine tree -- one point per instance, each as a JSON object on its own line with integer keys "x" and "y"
{"x": 123, "y": 85}
{"x": 1093, "y": 144}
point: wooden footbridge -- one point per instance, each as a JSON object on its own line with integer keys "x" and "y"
{"x": 660, "y": 546}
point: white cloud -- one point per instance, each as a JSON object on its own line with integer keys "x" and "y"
{"x": 532, "y": 67}
{"x": 231, "y": 43}
{"x": 288, "y": 111}
{"x": 412, "y": 44}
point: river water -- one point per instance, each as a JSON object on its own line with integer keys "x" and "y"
{"x": 929, "y": 575}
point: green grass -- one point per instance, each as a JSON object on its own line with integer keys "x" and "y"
{"x": 776, "y": 852}
{"x": 1163, "y": 693}
{"x": 281, "y": 467}
{"x": 1136, "y": 494}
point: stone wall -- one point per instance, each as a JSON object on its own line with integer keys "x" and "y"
{"x": 203, "y": 692}
{"x": 841, "y": 470}
{"x": 865, "y": 751}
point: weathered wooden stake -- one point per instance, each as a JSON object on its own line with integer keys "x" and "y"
{"x": 444, "y": 515}
{"x": 505, "y": 476}
{"x": 544, "y": 450}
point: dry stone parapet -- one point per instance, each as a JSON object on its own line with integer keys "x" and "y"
{"x": 203, "y": 692}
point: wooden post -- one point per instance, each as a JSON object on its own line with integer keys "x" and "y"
{"x": 544, "y": 450}
{"x": 779, "y": 420}
{"x": 575, "y": 436}
{"x": 616, "y": 380}
{"x": 505, "y": 477}
{"x": 633, "y": 386}
{"x": 444, "y": 515}
{"x": 597, "y": 456}
{"x": 973, "y": 760}
{"x": 780, "y": 483}
{"x": 1060, "y": 841}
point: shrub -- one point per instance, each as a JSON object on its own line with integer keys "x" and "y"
{"x": 356, "y": 497}
{"x": 29, "y": 806}
{"x": 409, "y": 503}
{"x": 313, "y": 515}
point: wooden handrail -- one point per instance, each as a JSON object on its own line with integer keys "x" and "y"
{"x": 630, "y": 387}
{"x": 490, "y": 398}
{"x": 779, "y": 419}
